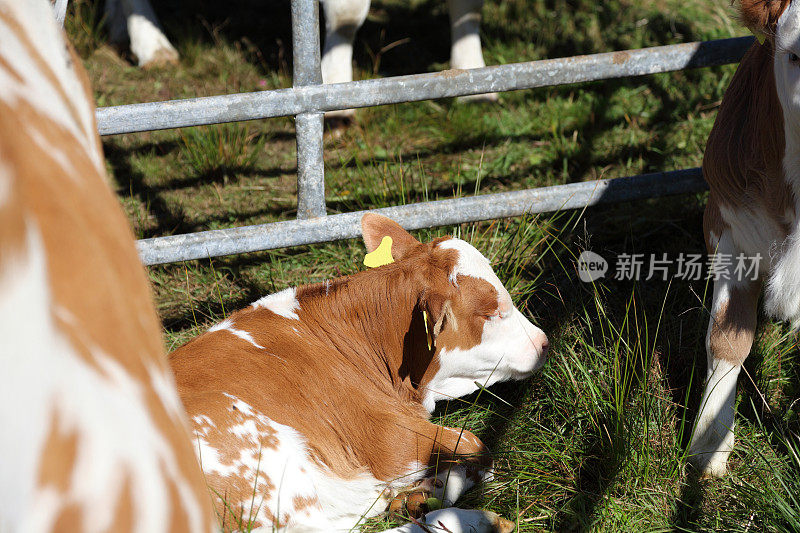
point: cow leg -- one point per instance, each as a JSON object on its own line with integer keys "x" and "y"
{"x": 728, "y": 341}
{"x": 135, "y": 20}
{"x": 459, "y": 521}
{"x": 343, "y": 18}
{"x": 465, "y": 25}
{"x": 456, "y": 459}
{"x": 115, "y": 22}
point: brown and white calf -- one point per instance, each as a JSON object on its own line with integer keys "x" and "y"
{"x": 311, "y": 406}
{"x": 752, "y": 165}
{"x": 93, "y": 435}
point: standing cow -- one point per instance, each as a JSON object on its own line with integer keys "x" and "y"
{"x": 135, "y": 21}
{"x": 752, "y": 166}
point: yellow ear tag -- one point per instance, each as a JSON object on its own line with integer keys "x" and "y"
{"x": 382, "y": 255}
{"x": 427, "y": 330}
{"x": 760, "y": 37}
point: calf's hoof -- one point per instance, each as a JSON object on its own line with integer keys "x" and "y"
{"x": 500, "y": 524}
{"x": 709, "y": 464}
{"x": 336, "y": 123}
{"x": 161, "y": 58}
{"x": 478, "y": 98}
{"x": 467, "y": 520}
{"x": 419, "y": 500}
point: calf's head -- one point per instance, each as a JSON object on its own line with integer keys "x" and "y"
{"x": 778, "y": 23}
{"x": 478, "y": 334}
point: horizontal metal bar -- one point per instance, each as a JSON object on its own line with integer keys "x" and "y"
{"x": 421, "y": 215}
{"x": 293, "y": 101}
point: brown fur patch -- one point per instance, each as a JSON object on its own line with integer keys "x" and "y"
{"x": 124, "y": 514}
{"x": 58, "y": 458}
{"x": 744, "y": 154}
{"x": 734, "y": 325}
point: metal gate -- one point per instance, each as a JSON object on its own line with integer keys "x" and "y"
{"x": 308, "y": 99}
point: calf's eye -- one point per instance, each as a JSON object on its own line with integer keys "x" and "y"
{"x": 794, "y": 58}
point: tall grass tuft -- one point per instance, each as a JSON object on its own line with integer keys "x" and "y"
{"x": 221, "y": 151}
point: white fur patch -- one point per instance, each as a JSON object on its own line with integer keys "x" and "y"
{"x": 473, "y": 263}
{"x": 465, "y": 18}
{"x": 147, "y": 40}
{"x": 712, "y": 439}
{"x": 283, "y": 303}
{"x": 752, "y": 231}
{"x": 342, "y": 503}
{"x": 227, "y": 325}
{"x": 342, "y": 18}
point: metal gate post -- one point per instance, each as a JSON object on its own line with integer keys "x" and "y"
{"x": 306, "y": 71}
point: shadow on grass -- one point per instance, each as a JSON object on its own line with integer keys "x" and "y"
{"x": 688, "y": 507}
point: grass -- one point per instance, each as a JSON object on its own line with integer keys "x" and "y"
{"x": 596, "y": 441}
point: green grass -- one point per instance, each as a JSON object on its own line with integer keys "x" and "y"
{"x": 596, "y": 441}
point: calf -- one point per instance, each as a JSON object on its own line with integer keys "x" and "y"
{"x": 752, "y": 166}
{"x": 93, "y": 434}
{"x": 311, "y": 406}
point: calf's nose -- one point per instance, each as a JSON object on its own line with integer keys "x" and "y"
{"x": 544, "y": 347}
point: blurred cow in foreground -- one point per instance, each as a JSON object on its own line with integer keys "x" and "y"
{"x": 93, "y": 436}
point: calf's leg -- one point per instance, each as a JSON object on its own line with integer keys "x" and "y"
{"x": 456, "y": 459}
{"x": 728, "y": 341}
{"x": 343, "y": 18}
{"x": 135, "y": 20}
{"x": 465, "y": 52}
{"x": 458, "y": 521}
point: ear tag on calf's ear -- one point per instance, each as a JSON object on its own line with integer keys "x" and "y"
{"x": 427, "y": 329}
{"x": 760, "y": 37}
{"x": 382, "y": 255}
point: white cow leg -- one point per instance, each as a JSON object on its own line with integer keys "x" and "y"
{"x": 343, "y": 18}
{"x": 465, "y": 25}
{"x": 458, "y": 521}
{"x": 148, "y": 42}
{"x": 728, "y": 342}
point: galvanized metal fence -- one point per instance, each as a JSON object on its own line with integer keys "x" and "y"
{"x": 308, "y": 99}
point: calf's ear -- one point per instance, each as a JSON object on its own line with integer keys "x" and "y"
{"x": 439, "y": 313}
{"x": 761, "y": 16}
{"x": 375, "y": 227}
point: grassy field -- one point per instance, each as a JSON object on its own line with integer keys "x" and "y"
{"x": 596, "y": 441}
